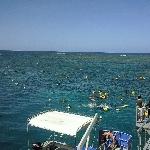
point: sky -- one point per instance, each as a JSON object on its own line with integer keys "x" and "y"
{"x": 113, "y": 26}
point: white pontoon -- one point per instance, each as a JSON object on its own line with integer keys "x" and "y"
{"x": 64, "y": 123}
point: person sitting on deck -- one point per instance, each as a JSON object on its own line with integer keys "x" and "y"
{"x": 148, "y": 107}
{"x": 110, "y": 140}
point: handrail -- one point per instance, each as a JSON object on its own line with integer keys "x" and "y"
{"x": 87, "y": 133}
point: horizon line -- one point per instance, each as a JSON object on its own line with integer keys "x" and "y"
{"x": 73, "y": 51}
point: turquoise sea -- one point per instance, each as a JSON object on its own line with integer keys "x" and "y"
{"x": 32, "y": 82}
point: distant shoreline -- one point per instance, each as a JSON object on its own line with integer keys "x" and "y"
{"x": 90, "y": 52}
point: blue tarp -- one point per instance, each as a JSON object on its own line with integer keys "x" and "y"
{"x": 123, "y": 139}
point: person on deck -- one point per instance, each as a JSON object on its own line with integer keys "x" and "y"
{"x": 140, "y": 105}
{"x": 139, "y": 101}
{"x": 148, "y": 107}
{"x": 110, "y": 138}
{"x": 37, "y": 146}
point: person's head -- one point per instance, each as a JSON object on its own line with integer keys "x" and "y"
{"x": 39, "y": 143}
{"x": 139, "y": 97}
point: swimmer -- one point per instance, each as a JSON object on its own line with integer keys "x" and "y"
{"x": 68, "y": 107}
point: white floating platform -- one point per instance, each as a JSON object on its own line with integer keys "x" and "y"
{"x": 60, "y": 122}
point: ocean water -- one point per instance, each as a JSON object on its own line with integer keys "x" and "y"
{"x": 32, "y": 82}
